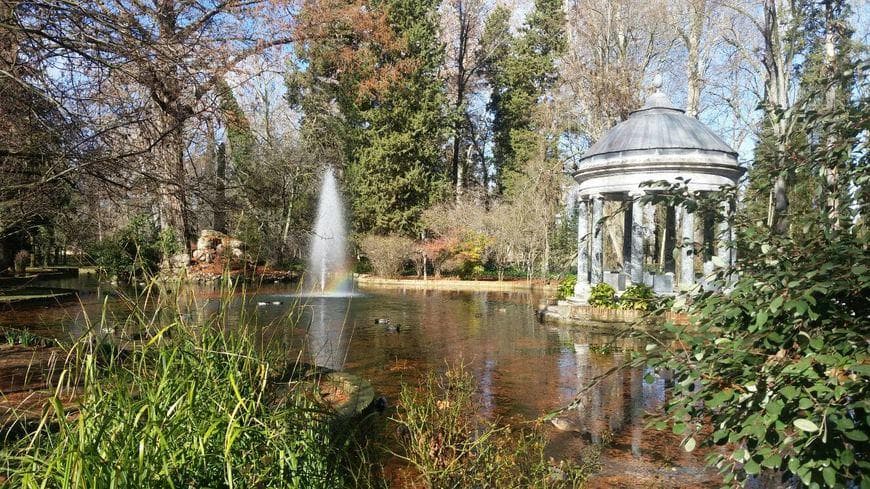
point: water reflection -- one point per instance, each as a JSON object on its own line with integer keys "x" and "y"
{"x": 328, "y": 336}
{"x": 523, "y": 368}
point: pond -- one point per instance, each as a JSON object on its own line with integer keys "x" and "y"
{"x": 523, "y": 368}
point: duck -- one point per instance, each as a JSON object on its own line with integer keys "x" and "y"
{"x": 382, "y": 321}
{"x": 393, "y": 328}
{"x": 380, "y": 404}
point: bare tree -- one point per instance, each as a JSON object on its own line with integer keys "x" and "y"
{"x": 462, "y": 26}
{"x": 148, "y": 68}
{"x": 613, "y": 45}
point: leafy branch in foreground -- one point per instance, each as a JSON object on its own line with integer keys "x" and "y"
{"x": 776, "y": 358}
{"x": 779, "y": 366}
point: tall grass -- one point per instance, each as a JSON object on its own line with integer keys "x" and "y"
{"x": 190, "y": 406}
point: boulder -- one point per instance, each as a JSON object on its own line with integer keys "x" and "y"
{"x": 180, "y": 260}
{"x": 212, "y": 244}
{"x": 209, "y": 238}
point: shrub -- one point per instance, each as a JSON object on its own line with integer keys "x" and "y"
{"x": 638, "y": 297}
{"x": 602, "y": 295}
{"x": 471, "y": 252}
{"x": 387, "y": 254}
{"x": 450, "y": 445}
{"x": 779, "y": 366}
{"x": 566, "y": 287}
{"x": 134, "y": 250}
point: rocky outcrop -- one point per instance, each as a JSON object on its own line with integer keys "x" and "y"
{"x": 212, "y": 245}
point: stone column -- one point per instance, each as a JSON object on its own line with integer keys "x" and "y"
{"x": 687, "y": 259}
{"x": 596, "y": 262}
{"x": 581, "y": 289}
{"x": 637, "y": 232}
{"x": 723, "y": 245}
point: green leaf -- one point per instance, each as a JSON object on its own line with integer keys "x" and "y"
{"x": 772, "y": 461}
{"x": 829, "y": 475}
{"x": 774, "y": 407}
{"x": 847, "y": 457}
{"x": 856, "y": 435}
{"x": 751, "y": 467}
{"x": 776, "y": 303}
{"x": 793, "y": 465}
{"x": 690, "y": 444}
{"x": 805, "y": 425}
{"x": 789, "y": 392}
{"x": 760, "y": 319}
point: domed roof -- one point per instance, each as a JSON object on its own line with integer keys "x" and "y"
{"x": 658, "y": 126}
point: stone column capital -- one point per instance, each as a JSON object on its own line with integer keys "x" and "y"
{"x": 637, "y": 193}
{"x": 596, "y": 197}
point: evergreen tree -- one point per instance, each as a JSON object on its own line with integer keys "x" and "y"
{"x": 822, "y": 37}
{"x": 520, "y": 76}
{"x": 397, "y": 168}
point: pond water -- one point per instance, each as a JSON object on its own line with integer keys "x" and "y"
{"x": 523, "y": 368}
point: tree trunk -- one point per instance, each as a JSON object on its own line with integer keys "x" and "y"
{"x": 777, "y": 62}
{"x": 831, "y": 179}
{"x": 698, "y": 10}
{"x": 173, "y": 187}
{"x": 219, "y": 218}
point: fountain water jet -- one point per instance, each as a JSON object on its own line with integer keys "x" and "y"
{"x": 328, "y": 273}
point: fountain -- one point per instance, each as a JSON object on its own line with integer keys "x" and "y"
{"x": 328, "y": 275}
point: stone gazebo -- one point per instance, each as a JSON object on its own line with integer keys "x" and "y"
{"x": 656, "y": 143}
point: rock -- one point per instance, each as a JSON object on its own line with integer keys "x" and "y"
{"x": 212, "y": 244}
{"x": 565, "y": 424}
{"x": 180, "y": 260}
{"x": 209, "y": 238}
{"x": 203, "y": 255}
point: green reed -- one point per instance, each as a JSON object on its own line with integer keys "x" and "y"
{"x": 190, "y": 404}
